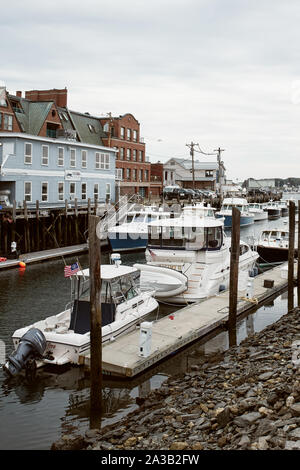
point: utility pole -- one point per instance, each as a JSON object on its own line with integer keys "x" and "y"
{"x": 219, "y": 150}
{"x": 191, "y": 146}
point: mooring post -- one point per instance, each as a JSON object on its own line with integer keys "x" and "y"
{"x": 291, "y": 257}
{"x": 234, "y": 275}
{"x": 298, "y": 255}
{"x": 66, "y": 223}
{"x": 96, "y": 321}
{"x": 37, "y": 222}
{"x": 26, "y": 228}
{"x": 76, "y": 220}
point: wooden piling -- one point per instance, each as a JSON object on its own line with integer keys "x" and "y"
{"x": 234, "y": 275}
{"x": 291, "y": 256}
{"x": 96, "y": 317}
{"x": 26, "y": 229}
{"x": 66, "y": 224}
{"x": 76, "y": 222}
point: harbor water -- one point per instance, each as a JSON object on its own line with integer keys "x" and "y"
{"x": 33, "y": 414}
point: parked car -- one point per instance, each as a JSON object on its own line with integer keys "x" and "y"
{"x": 173, "y": 192}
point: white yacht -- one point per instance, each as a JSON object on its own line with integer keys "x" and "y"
{"x": 123, "y": 306}
{"x": 257, "y": 210}
{"x": 133, "y": 233}
{"x": 188, "y": 259}
{"x": 246, "y": 217}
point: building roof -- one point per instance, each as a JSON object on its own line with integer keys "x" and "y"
{"x": 187, "y": 164}
{"x": 88, "y": 128}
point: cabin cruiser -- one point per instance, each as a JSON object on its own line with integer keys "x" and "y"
{"x": 246, "y": 218}
{"x": 67, "y": 335}
{"x": 133, "y": 234}
{"x": 188, "y": 259}
{"x": 284, "y": 207}
{"x": 273, "y": 210}
{"x": 258, "y": 212}
{"x": 273, "y": 245}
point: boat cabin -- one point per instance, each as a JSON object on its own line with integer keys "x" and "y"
{"x": 186, "y": 233}
{"x": 240, "y": 203}
{"x": 274, "y": 236}
{"x": 145, "y": 217}
{"x": 118, "y": 285}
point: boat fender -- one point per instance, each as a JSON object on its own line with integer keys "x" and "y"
{"x": 22, "y": 264}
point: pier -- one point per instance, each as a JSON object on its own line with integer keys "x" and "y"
{"x": 121, "y": 357}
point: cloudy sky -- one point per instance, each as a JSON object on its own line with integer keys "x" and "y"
{"x": 216, "y": 72}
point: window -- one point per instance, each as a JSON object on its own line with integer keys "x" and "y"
{"x": 96, "y": 190}
{"x": 140, "y": 155}
{"x": 72, "y": 158}
{"x": 135, "y": 136}
{"x": 61, "y": 191}
{"x": 146, "y": 175}
{"x": 60, "y": 161}
{"x": 91, "y": 128}
{"x": 128, "y": 134}
{"x": 134, "y": 153}
{"x": 141, "y": 175}
{"x": 28, "y": 191}
{"x": 44, "y": 191}
{"x": 122, "y": 132}
{"x": 128, "y": 173}
{"x": 107, "y": 193}
{"x": 128, "y": 154}
{"x": 28, "y": 154}
{"x": 102, "y": 161}
{"x": 122, "y": 153}
{"x": 45, "y": 155}
{"x": 8, "y": 122}
{"x": 83, "y": 191}
{"x": 83, "y": 158}
{"x": 208, "y": 173}
{"x": 72, "y": 190}
{"x": 134, "y": 174}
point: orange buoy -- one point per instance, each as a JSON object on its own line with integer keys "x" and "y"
{"x": 22, "y": 264}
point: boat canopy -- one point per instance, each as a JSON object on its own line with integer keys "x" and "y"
{"x": 110, "y": 271}
{"x": 186, "y": 233}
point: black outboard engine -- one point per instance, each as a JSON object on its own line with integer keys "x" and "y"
{"x": 32, "y": 346}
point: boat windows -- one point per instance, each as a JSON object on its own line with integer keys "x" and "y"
{"x": 139, "y": 218}
{"x": 129, "y": 218}
{"x": 189, "y": 238}
{"x": 284, "y": 235}
{"x": 243, "y": 249}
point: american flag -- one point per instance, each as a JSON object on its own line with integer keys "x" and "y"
{"x": 71, "y": 269}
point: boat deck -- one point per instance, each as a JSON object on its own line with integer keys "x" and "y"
{"x": 171, "y": 333}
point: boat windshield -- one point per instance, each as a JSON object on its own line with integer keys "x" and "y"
{"x": 185, "y": 238}
{"x": 112, "y": 291}
{"x": 129, "y": 218}
{"x": 139, "y": 218}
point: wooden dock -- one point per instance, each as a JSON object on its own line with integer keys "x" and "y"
{"x": 121, "y": 358}
{"x": 46, "y": 255}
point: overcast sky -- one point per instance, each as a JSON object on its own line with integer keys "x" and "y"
{"x": 216, "y": 72}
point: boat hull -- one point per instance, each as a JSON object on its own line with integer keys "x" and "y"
{"x": 269, "y": 254}
{"x": 244, "y": 220}
{"x": 128, "y": 241}
{"x": 274, "y": 213}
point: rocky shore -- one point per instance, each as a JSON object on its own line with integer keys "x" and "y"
{"x": 245, "y": 398}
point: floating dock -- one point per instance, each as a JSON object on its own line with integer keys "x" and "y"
{"x": 121, "y": 358}
{"x": 39, "y": 256}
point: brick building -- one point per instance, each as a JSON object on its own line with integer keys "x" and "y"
{"x": 156, "y": 179}
{"x": 123, "y": 134}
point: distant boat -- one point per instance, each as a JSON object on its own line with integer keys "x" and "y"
{"x": 273, "y": 210}
{"x": 246, "y": 217}
{"x": 258, "y": 212}
{"x": 273, "y": 245}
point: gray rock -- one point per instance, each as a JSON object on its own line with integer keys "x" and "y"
{"x": 265, "y": 427}
{"x": 224, "y": 417}
{"x": 295, "y": 409}
{"x": 295, "y": 433}
{"x": 247, "y": 419}
{"x": 244, "y": 442}
{"x": 265, "y": 376}
{"x": 292, "y": 445}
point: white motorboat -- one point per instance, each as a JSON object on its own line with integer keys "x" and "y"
{"x": 273, "y": 210}
{"x": 273, "y": 245}
{"x": 258, "y": 212}
{"x": 123, "y": 306}
{"x": 246, "y": 217}
{"x": 195, "y": 247}
{"x": 133, "y": 234}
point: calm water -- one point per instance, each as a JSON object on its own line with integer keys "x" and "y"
{"x": 34, "y": 415}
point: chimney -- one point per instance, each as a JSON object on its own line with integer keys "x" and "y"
{"x": 58, "y": 96}
{"x": 19, "y": 94}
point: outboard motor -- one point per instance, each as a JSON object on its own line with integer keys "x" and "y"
{"x": 32, "y": 345}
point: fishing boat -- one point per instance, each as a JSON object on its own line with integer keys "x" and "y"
{"x": 133, "y": 234}
{"x": 284, "y": 207}
{"x": 258, "y": 212}
{"x": 188, "y": 259}
{"x": 273, "y": 210}
{"x": 273, "y": 245}
{"x": 67, "y": 335}
{"x": 246, "y": 217}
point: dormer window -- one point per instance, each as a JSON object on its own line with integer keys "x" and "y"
{"x": 91, "y": 128}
